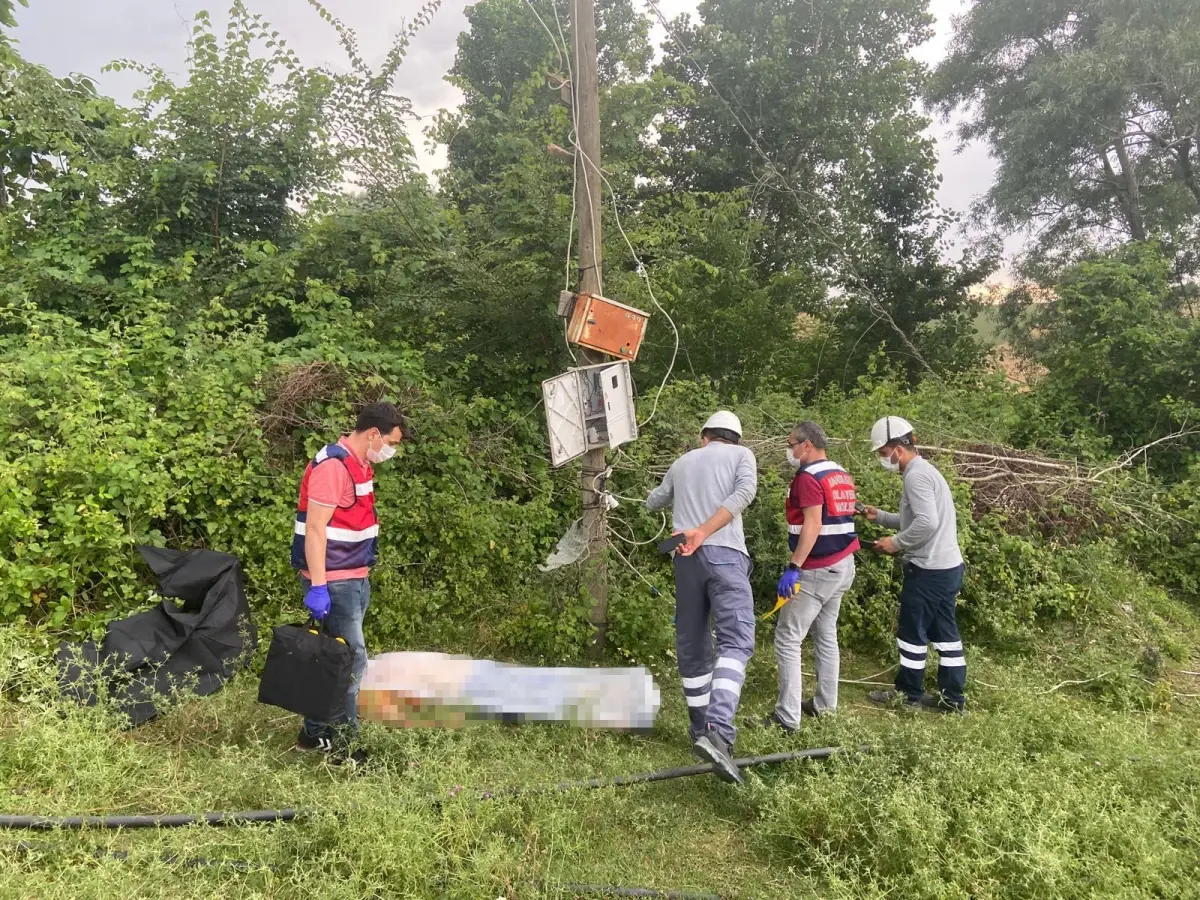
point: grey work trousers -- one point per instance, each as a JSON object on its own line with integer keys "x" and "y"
{"x": 713, "y": 583}
{"x": 815, "y": 607}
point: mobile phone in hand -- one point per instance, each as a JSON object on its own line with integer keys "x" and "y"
{"x": 859, "y": 508}
{"x": 674, "y": 542}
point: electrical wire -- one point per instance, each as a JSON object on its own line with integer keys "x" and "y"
{"x": 574, "y": 173}
{"x": 564, "y": 62}
{"x": 596, "y": 489}
{"x": 645, "y": 276}
{"x": 682, "y": 772}
{"x": 50, "y": 823}
{"x": 557, "y": 49}
{"x": 570, "y": 246}
{"x": 588, "y": 162}
{"x": 654, "y": 590}
{"x": 635, "y": 543}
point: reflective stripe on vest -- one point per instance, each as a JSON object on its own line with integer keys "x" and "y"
{"x": 352, "y": 535}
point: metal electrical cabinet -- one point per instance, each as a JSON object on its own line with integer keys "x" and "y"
{"x": 589, "y": 407}
{"x": 606, "y": 326}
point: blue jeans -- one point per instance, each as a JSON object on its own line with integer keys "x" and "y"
{"x": 349, "y": 600}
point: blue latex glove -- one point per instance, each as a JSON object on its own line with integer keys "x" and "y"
{"x": 317, "y": 600}
{"x": 789, "y": 584}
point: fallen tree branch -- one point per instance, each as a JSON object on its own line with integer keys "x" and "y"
{"x": 1129, "y": 457}
{"x": 997, "y": 457}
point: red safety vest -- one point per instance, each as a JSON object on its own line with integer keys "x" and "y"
{"x": 352, "y": 535}
{"x": 838, "y": 536}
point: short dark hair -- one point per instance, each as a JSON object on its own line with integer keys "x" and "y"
{"x": 721, "y": 434}
{"x": 811, "y": 432}
{"x": 384, "y": 416}
{"x": 904, "y": 440}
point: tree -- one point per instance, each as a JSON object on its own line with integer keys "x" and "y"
{"x": 1092, "y": 109}
{"x": 8, "y": 19}
{"x": 204, "y": 189}
{"x": 1119, "y": 354}
{"x": 811, "y": 108}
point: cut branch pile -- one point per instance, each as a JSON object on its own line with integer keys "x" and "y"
{"x": 1017, "y": 483}
{"x": 296, "y": 397}
{"x": 1059, "y": 495}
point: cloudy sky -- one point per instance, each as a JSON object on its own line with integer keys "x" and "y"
{"x": 84, "y": 35}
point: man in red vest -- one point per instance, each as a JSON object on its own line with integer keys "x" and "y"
{"x": 821, "y": 534}
{"x": 333, "y": 548}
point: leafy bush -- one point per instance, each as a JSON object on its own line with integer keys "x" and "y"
{"x": 135, "y": 434}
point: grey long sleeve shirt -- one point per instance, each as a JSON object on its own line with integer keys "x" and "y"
{"x": 701, "y": 482}
{"x": 927, "y": 523}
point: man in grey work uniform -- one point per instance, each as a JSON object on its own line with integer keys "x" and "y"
{"x": 708, "y": 488}
{"x": 933, "y": 572}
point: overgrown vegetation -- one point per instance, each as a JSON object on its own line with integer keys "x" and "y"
{"x": 196, "y": 292}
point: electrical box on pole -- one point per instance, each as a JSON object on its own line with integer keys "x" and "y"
{"x": 589, "y": 408}
{"x": 604, "y": 325}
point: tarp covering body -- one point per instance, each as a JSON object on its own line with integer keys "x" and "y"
{"x": 198, "y": 643}
{"x": 413, "y": 689}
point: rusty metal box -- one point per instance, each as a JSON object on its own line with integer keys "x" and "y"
{"x": 607, "y": 326}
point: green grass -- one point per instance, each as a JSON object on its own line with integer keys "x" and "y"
{"x": 1081, "y": 791}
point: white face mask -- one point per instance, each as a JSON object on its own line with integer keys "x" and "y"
{"x": 792, "y": 461}
{"x": 383, "y": 454}
{"x": 889, "y": 464}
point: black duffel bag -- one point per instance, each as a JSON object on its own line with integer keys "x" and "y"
{"x": 308, "y": 672}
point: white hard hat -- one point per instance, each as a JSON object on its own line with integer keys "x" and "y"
{"x": 724, "y": 419}
{"x": 888, "y": 429}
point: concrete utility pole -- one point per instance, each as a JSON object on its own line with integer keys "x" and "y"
{"x": 586, "y": 100}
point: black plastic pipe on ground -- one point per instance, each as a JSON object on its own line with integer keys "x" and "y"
{"x": 670, "y": 774}
{"x": 48, "y": 823}
{"x": 253, "y": 816}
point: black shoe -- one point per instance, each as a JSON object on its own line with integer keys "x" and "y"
{"x": 938, "y": 703}
{"x": 809, "y": 708}
{"x": 712, "y": 749}
{"x": 893, "y": 698}
{"x": 773, "y": 721}
{"x": 321, "y": 743}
